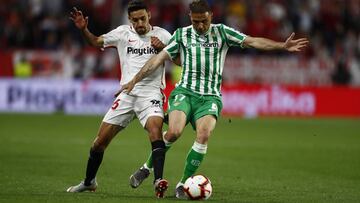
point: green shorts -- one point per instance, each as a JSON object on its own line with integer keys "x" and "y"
{"x": 194, "y": 105}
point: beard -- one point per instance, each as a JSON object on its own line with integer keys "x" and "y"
{"x": 141, "y": 30}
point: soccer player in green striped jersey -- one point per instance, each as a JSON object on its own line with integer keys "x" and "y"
{"x": 202, "y": 47}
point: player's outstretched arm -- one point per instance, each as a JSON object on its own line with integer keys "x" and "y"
{"x": 290, "y": 44}
{"x": 81, "y": 23}
{"x": 150, "y": 66}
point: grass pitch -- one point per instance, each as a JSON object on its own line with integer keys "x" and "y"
{"x": 260, "y": 160}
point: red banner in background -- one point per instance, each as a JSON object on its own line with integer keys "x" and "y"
{"x": 275, "y": 100}
{"x": 337, "y": 101}
{"x": 253, "y": 100}
{"x": 6, "y": 64}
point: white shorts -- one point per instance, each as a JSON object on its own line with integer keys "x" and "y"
{"x": 126, "y": 107}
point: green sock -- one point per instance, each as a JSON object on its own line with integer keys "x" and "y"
{"x": 193, "y": 160}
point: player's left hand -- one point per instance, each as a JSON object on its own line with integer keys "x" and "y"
{"x": 157, "y": 44}
{"x": 295, "y": 45}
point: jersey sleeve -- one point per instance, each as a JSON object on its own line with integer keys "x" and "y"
{"x": 234, "y": 37}
{"x": 166, "y": 36}
{"x": 113, "y": 37}
{"x": 172, "y": 48}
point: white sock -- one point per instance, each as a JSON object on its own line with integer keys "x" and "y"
{"x": 179, "y": 184}
{"x": 199, "y": 148}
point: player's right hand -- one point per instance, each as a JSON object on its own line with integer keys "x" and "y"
{"x": 126, "y": 88}
{"x": 157, "y": 43}
{"x": 77, "y": 17}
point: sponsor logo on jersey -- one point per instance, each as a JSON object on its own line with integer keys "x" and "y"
{"x": 204, "y": 44}
{"x": 142, "y": 51}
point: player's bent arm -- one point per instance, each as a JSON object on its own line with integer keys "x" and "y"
{"x": 150, "y": 66}
{"x": 263, "y": 43}
{"x": 92, "y": 39}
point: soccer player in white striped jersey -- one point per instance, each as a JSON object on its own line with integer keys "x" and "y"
{"x": 197, "y": 97}
{"x": 136, "y": 44}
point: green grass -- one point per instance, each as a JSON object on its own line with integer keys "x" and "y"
{"x": 260, "y": 160}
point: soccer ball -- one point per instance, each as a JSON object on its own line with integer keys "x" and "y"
{"x": 198, "y": 187}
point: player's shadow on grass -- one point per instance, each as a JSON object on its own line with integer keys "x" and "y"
{"x": 119, "y": 196}
{"x": 150, "y": 198}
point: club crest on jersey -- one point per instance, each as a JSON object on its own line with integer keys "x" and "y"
{"x": 141, "y": 51}
{"x": 214, "y": 108}
{"x": 202, "y": 39}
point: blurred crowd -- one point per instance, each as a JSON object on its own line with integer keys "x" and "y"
{"x": 332, "y": 26}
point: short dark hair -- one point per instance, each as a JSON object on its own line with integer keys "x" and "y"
{"x": 135, "y": 5}
{"x": 199, "y": 6}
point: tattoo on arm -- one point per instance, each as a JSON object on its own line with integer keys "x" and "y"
{"x": 150, "y": 66}
{"x": 145, "y": 71}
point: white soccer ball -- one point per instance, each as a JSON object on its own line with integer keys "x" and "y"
{"x": 198, "y": 187}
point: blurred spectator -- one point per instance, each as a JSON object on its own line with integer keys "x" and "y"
{"x": 236, "y": 14}
{"x": 341, "y": 76}
{"x": 44, "y": 25}
{"x": 23, "y": 68}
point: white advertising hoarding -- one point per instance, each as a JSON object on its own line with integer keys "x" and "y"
{"x": 49, "y": 95}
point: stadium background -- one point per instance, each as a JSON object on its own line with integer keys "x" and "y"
{"x": 300, "y": 145}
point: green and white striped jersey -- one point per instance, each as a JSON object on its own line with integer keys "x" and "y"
{"x": 203, "y": 56}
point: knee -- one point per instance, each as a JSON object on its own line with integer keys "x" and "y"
{"x": 173, "y": 134}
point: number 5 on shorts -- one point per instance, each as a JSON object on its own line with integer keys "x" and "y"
{"x": 116, "y": 104}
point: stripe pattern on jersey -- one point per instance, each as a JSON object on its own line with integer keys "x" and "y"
{"x": 203, "y": 56}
